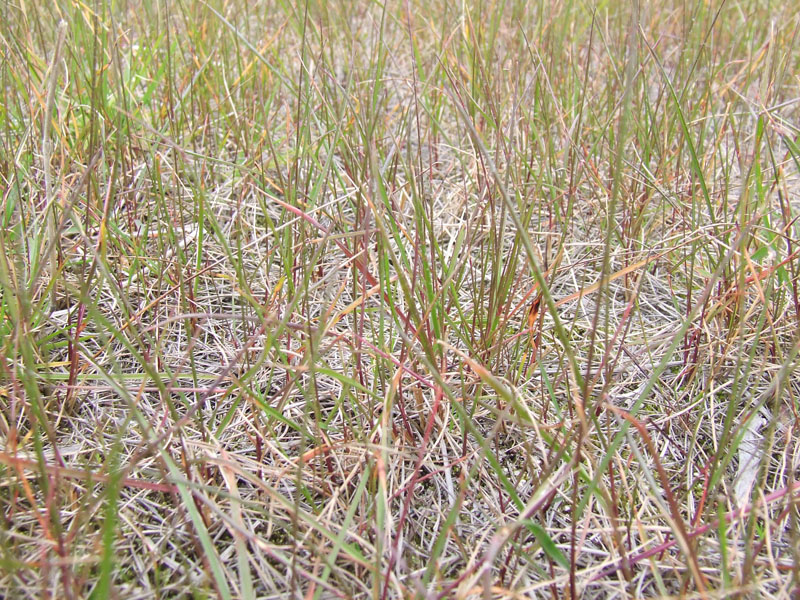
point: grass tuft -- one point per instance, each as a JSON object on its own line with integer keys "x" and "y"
{"x": 400, "y": 300}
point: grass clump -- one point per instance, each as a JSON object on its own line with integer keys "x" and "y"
{"x": 399, "y": 300}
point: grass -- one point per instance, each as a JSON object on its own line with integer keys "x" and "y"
{"x": 403, "y": 300}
